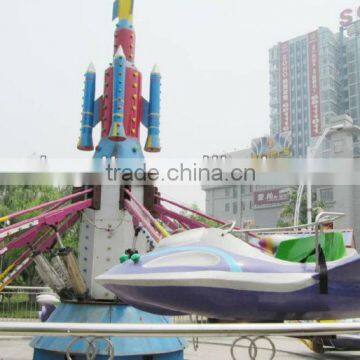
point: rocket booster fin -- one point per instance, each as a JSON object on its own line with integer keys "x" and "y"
{"x": 145, "y": 113}
{"x": 123, "y": 10}
{"x": 97, "y": 110}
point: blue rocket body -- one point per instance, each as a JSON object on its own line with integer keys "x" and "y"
{"x": 117, "y": 131}
{"x": 153, "y": 139}
{"x": 87, "y": 123}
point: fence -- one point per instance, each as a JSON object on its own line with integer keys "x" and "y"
{"x": 19, "y": 302}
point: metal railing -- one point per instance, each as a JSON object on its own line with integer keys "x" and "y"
{"x": 177, "y": 330}
{"x": 19, "y": 302}
{"x": 322, "y": 218}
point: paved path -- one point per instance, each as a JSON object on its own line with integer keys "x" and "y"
{"x": 19, "y": 349}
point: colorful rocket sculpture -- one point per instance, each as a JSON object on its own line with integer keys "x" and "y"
{"x": 121, "y": 108}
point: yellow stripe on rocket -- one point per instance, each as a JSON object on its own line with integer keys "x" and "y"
{"x": 123, "y": 10}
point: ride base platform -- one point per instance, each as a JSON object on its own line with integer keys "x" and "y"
{"x": 56, "y": 348}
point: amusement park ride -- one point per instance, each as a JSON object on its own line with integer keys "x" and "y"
{"x": 114, "y": 220}
{"x": 194, "y": 269}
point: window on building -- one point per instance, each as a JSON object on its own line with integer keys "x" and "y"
{"x": 354, "y": 113}
{"x": 352, "y": 90}
{"x": 351, "y": 68}
{"x": 235, "y": 192}
{"x": 227, "y": 192}
{"x": 352, "y": 79}
{"x": 235, "y": 208}
{"x": 227, "y": 207}
{"x": 326, "y": 195}
{"x": 338, "y": 146}
{"x": 353, "y": 101}
{"x": 351, "y": 56}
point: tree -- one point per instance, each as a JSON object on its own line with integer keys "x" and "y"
{"x": 15, "y": 198}
{"x": 199, "y": 218}
{"x": 287, "y": 214}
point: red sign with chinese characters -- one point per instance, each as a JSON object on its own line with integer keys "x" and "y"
{"x": 271, "y": 197}
{"x": 314, "y": 84}
{"x": 285, "y": 101}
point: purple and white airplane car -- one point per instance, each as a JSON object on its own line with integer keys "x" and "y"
{"x": 212, "y": 273}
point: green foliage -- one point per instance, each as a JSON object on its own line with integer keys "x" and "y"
{"x": 287, "y": 214}
{"x": 18, "y": 306}
{"x": 198, "y": 217}
{"x": 16, "y": 198}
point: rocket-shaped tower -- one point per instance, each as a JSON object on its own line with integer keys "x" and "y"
{"x": 111, "y": 224}
{"x": 121, "y": 108}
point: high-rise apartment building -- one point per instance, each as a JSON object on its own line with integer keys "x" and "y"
{"x": 314, "y": 77}
{"x": 351, "y": 90}
{"x": 304, "y": 86}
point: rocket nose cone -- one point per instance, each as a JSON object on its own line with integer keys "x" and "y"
{"x": 120, "y": 52}
{"x": 91, "y": 68}
{"x": 156, "y": 69}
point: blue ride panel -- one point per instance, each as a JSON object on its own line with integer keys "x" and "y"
{"x": 54, "y": 348}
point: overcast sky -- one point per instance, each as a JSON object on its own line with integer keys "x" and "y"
{"x": 213, "y": 55}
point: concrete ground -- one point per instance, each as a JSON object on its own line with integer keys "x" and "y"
{"x": 19, "y": 349}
